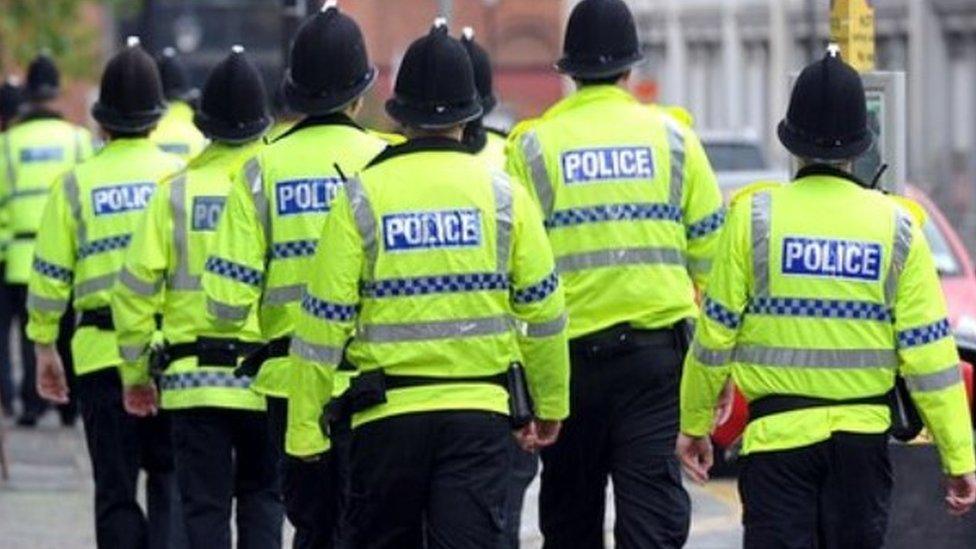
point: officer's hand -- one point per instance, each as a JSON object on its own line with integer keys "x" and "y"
{"x": 695, "y": 454}
{"x": 539, "y": 433}
{"x": 960, "y": 493}
{"x": 723, "y": 410}
{"x": 51, "y": 381}
{"x": 141, "y": 400}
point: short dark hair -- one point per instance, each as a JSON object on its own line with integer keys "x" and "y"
{"x": 602, "y": 81}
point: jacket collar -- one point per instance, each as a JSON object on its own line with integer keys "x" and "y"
{"x": 589, "y": 94}
{"x": 39, "y": 113}
{"x": 331, "y": 119}
{"x": 422, "y": 144}
{"x": 828, "y": 171}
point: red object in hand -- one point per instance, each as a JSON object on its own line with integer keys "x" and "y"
{"x": 727, "y": 432}
{"x": 966, "y": 369}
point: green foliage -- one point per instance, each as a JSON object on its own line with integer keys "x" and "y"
{"x": 30, "y": 26}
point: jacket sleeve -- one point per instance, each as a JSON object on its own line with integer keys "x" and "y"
{"x": 234, "y": 270}
{"x": 708, "y": 363}
{"x": 137, "y": 296}
{"x": 526, "y": 164}
{"x": 328, "y": 312}
{"x": 538, "y": 301}
{"x": 702, "y": 210}
{"x": 928, "y": 359}
{"x": 51, "y": 279}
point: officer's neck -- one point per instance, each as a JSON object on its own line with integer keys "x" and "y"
{"x": 454, "y": 132}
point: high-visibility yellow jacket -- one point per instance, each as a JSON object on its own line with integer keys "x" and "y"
{"x": 176, "y": 133}
{"x": 494, "y": 150}
{"x": 4, "y": 224}
{"x": 164, "y": 263}
{"x": 86, "y": 227}
{"x": 825, "y": 289}
{"x": 262, "y": 251}
{"x": 36, "y": 152}
{"x": 424, "y": 261}
{"x": 630, "y": 203}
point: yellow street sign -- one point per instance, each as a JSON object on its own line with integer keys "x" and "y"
{"x": 852, "y": 28}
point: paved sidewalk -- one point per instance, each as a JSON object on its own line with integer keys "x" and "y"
{"x": 47, "y": 502}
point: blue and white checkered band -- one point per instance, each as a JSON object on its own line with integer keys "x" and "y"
{"x": 29, "y": 155}
{"x": 299, "y": 196}
{"x": 206, "y": 212}
{"x": 121, "y": 198}
{"x": 427, "y": 230}
{"x": 831, "y": 258}
{"x": 607, "y": 164}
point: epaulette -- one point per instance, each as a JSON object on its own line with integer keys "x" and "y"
{"x": 391, "y": 138}
{"x": 680, "y": 114}
{"x": 913, "y": 208}
{"x": 751, "y": 189}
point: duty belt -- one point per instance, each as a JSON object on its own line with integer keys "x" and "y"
{"x": 210, "y": 351}
{"x": 620, "y": 338}
{"x": 100, "y": 318}
{"x": 251, "y": 365}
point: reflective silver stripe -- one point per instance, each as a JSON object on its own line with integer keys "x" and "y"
{"x": 77, "y": 146}
{"x": 131, "y": 353}
{"x": 73, "y": 195}
{"x": 703, "y": 266}
{"x": 502, "y": 188}
{"x": 283, "y": 295}
{"x": 532, "y": 152}
{"x": 29, "y": 192}
{"x": 46, "y": 304}
{"x": 676, "y": 144}
{"x": 934, "y": 381}
{"x": 314, "y": 352}
{"x": 622, "y": 256}
{"x": 227, "y": 312}
{"x": 760, "y": 243}
{"x": 362, "y": 212}
{"x": 901, "y": 244}
{"x": 137, "y": 285}
{"x": 255, "y": 181}
{"x": 711, "y": 357}
{"x": 92, "y": 285}
{"x": 182, "y": 279}
{"x": 816, "y": 358}
{"x": 546, "y": 329}
{"x": 439, "y": 329}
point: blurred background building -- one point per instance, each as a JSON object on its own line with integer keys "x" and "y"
{"x": 726, "y": 61}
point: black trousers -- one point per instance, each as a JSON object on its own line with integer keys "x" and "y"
{"x": 524, "y": 467}
{"x": 223, "y": 455}
{"x": 432, "y": 479}
{"x": 831, "y": 495}
{"x": 119, "y": 446}
{"x": 6, "y": 360}
{"x": 623, "y": 424}
{"x": 313, "y": 490}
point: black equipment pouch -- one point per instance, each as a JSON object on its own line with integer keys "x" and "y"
{"x": 210, "y": 351}
{"x": 158, "y": 360}
{"x": 99, "y": 318}
{"x": 520, "y": 408}
{"x": 906, "y": 422}
{"x": 251, "y": 365}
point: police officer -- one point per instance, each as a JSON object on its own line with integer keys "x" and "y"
{"x": 265, "y": 240}
{"x": 428, "y": 253}
{"x": 41, "y": 147}
{"x": 489, "y": 144}
{"x": 633, "y": 211}
{"x": 822, "y": 290}
{"x": 486, "y": 142}
{"x": 85, "y": 229}
{"x": 11, "y": 98}
{"x": 221, "y": 445}
{"x": 176, "y": 132}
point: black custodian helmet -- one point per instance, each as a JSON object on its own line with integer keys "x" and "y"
{"x": 827, "y": 116}
{"x": 481, "y": 64}
{"x": 435, "y": 85}
{"x": 328, "y": 65}
{"x": 43, "y": 79}
{"x": 234, "y": 104}
{"x": 130, "y": 98}
{"x": 601, "y": 40}
{"x": 176, "y": 81}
